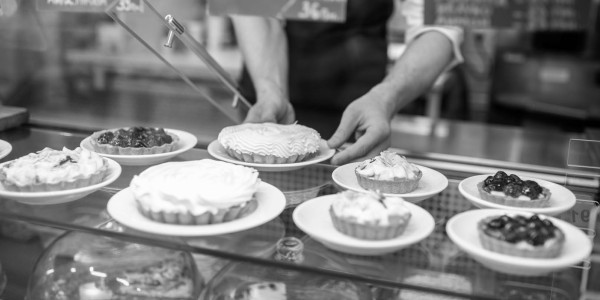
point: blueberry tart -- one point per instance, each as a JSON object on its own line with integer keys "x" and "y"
{"x": 133, "y": 141}
{"x": 517, "y": 235}
{"x": 511, "y": 190}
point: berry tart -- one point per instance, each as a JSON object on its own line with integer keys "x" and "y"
{"x": 270, "y": 143}
{"x": 513, "y": 191}
{"x": 518, "y": 235}
{"x": 133, "y": 141}
{"x": 389, "y": 173}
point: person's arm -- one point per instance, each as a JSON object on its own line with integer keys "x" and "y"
{"x": 264, "y": 48}
{"x": 369, "y": 116}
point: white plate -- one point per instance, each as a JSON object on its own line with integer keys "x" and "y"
{"x": 123, "y": 208}
{"x": 186, "y": 142}
{"x": 55, "y": 197}
{"x": 561, "y": 199}
{"x": 313, "y": 218}
{"x": 432, "y": 182}
{"x": 217, "y": 151}
{"x": 462, "y": 230}
{"x": 5, "y": 148}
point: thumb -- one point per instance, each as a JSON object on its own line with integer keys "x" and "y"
{"x": 344, "y": 131}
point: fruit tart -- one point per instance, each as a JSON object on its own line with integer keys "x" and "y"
{"x": 511, "y": 190}
{"x": 518, "y": 235}
{"x": 53, "y": 170}
{"x": 133, "y": 141}
{"x": 389, "y": 172}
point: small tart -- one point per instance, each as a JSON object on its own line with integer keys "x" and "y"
{"x": 511, "y": 190}
{"x": 270, "y": 143}
{"x": 196, "y": 192}
{"x": 133, "y": 141}
{"x": 517, "y": 235}
{"x": 53, "y": 170}
{"x": 389, "y": 173}
{"x": 369, "y": 215}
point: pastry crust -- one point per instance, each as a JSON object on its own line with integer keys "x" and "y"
{"x": 118, "y": 150}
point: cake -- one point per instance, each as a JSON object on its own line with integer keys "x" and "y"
{"x": 196, "y": 192}
{"x": 133, "y": 141}
{"x": 518, "y": 235}
{"x": 511, "y": 190}
{"x": 53, "y": 170}
{"x": 270, "y": 143}
{"x": 369, "y": 215}
{"x": 388, "y": 173}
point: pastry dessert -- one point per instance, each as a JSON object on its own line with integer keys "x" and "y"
{"x": 53, "y": 170}
{"x": 369, "y": 215}
{"x": 513, "y": 191}
{"x": 270, "y": 143}
{"x": 388, "y": 173}
{"x": 133, "y": 141}
{"x": 532, "y": 237}
{"x": 196, "y": 192}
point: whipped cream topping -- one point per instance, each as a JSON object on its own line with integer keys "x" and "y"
{"x": 369, "y": 207}
{"x": 194, "y": 186}
{"x": 270, "y": 139}
{"x": 49, "y": 166}
{"x": 388, "y": 166}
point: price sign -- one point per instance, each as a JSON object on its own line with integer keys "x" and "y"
{"x": 89, "y": 5}
{"x": 308, "y": 10}
{"x": 581, "y": 214}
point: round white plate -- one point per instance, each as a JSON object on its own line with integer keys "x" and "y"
{"x": 217, "y": 151}
{"x": 561, "y": 199}
{"x": 432, "y": 182}
{"x": 186, "y": 142}
{"x": 55, "y": 197}
{"x": 462, "y": 230}
{"x": 5, "y": 148}
{"x": 123, "y": 208}
{"x": 313, "y": 218}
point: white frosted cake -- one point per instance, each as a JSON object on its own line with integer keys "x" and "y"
{"x": 270, "y": 143}
{"x": 196, "y": 192}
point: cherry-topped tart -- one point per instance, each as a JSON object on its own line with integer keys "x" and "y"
{"x": 511, "y": 190}
{"x": 518, "y": 235}
{"x": 133, "y": 141}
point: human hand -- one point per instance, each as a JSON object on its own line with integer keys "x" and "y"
{"x": 368, "y": 118}
{"x": 272, "y": 106}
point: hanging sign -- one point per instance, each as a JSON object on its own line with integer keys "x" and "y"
{"x": 518, "y": 14}
{"x": 308, "y": 10}
{"x": 90, "y": 5}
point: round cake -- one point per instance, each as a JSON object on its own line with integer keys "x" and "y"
{"x": 196, "y": 192}
{"x": 511, "y": 190}
{"x": 53, "y": 170}
{"x": 133, "y": 141}
{"x": 369, "y": 215}
{"x": 389, "y": 173}
{"x": 270, "y": 143}
{"x": 518, "y": 235}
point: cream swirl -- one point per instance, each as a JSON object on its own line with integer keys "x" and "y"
{"x": 369, "y": 207}
{"x": 270, "y": 139}
{"x": 195, "y": 186}
{"x": 388, "y": 166}
{"x": 49, "y": 166}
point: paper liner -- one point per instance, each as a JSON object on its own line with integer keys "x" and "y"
{"x": 369, "y": 231}
{"x": 187, "y": 218}
{"x": 268, "y": 159}
{"x": 116, "y": 150}
{"x": 396, "y": 186}
{"x": 503, "y": 247}
{"x": 515, "y": 202}
{"x": 78, "y": 182}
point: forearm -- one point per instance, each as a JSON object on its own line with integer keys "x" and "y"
{"x": 264, "y": 48}
{"x": 415, "y": 71}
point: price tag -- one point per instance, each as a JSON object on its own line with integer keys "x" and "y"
{"x": 308, "y": 10}
{"x": 581, "y": 214}
{"x": 130, "y": 6}
{"x": 89, "y": 5}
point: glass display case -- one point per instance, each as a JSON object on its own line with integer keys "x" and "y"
{"x": 81, "y": 72}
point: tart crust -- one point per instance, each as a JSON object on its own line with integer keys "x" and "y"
{"x": 268, "y": 159}
{"x": 187, "y": 218}
{"x": 396, "y": 186}
{"x": 370, "y": 231}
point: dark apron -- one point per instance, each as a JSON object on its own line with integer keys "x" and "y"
{"x": 332, "y": 64}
